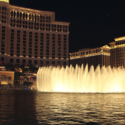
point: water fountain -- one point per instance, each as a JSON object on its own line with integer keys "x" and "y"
{"x": 80, "y": 79}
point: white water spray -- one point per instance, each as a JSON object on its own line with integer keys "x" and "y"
{"x": 79, "y": 79}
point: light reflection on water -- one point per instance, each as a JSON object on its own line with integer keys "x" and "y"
{"x": 34, "y": 108}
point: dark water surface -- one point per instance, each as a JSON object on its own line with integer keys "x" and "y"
{"x": 36, "y": 108}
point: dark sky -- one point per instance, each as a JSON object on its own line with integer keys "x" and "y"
{"x": 93, "y": 23}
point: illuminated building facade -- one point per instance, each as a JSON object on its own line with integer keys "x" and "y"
{"x": 29, "y": 36}
{"x": 117, "y": 50}
{"x": 29, "y": 77}
{"x": 96, "y": 56}
{"x": 6, "y": 77}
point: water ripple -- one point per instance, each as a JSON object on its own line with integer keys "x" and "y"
{"x": 35, "y": 108}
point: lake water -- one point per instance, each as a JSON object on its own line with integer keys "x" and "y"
{"x": 37, "y": 108}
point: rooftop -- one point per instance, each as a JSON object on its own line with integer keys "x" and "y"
{"x": 120, "y": 38}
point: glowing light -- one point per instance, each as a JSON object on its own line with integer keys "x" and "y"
{"x": 5, "y": 1}
{"x": 4, "y": 83}
{"x": 79, "y": 79}
{"x": 89, "y": 55}
{"x": 117, "y": 46}
{"x": 120, "y": 38}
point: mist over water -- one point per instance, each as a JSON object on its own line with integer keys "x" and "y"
{"x": 80, "y": 79}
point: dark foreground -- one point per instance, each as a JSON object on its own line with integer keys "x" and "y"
{"x": 36, "y": 108}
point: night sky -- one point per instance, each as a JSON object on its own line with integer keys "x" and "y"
{"x": 93, "y": 23}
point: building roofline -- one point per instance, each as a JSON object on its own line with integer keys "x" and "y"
{"x": 119, "y": 38}
{"x": 29, "y": 9}
{"x": 59, "y": 22}
{"x": 6, "y": 1}
{"x": 112, "y": 43}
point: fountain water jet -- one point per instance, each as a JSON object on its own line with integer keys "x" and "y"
{"x": 79, "y": 79}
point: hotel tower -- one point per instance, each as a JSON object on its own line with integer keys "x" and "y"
{"x": 29, "y": 36}
{"x": 118, "y": 52}
{"x": 94, "y": 56}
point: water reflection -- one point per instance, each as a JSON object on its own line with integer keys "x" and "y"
{"x": 58, "y": 108}
{"x": 36, "y": 108}
{"x": 17, "y": 107}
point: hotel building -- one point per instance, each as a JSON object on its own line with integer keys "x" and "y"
{"x": 117, "y": 50}
{"x": 96, "y": 56}
{"x": 29, "y": 36}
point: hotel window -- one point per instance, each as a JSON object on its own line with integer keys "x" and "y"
{"x": 24, "y": 61}
{"x": 41, "y": 62}
{"x": 24, "y": 52}
{"x": 18, "y": 44}
{"x": 29, "y": 61}
{"x": 47, "y": 44}
{"x": 2, "y": 8}
{"x": 23, "y": 15}
{"x": 30, "y": 16}
{"x": 53, "y": 27}
{"x": 53, "y": 62}
{"x": 36, "y": 34}
{"x": 36, "y": 17}
{"x": 47, "y": 62}
{"x": 18, "y": 15}
{"x": 3, "y": 27}
{"x": 59, "y": 62}
{"x": 48, "y": 19}
{"x": 53, "y": 57}
{"x": 64, "y": 63}
{"x": 30, "y": 49}
{"x": 30, "y": 39}
{"x": 17, "y": 60}
{"x": 47, "y": 27}
{"x": 30, "y": 45}
{"x": 11, "y": 60}
{"x": 53, "y": 54}
{"x": 24, "y": 55}
{"x": 64, "y": 28}
{"x": 18, "y": 55}
{"x": 24, "y": 41}
{"x": 64, "y": 38}
{"x": 4, "y": 21}
{"x": 41, "y": 17}
{"x": 59, "y": 28}
{"x": 35, "y": 61}
{"x": 18, "y": 51}
{"x": 30, "y": 33}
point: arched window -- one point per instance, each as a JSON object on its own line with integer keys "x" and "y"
{"x": 24, "y": 15}
{"x": 11, "y": 14}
